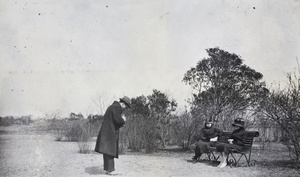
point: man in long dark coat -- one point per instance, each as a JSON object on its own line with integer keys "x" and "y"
{"x": 108, "y": 138}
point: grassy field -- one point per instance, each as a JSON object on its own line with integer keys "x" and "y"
{"x": 29, "y": 150}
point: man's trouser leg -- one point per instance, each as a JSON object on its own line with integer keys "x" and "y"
{"x": 109, "y": 164}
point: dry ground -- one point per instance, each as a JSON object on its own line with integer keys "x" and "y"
{"x": 31, "y": 153}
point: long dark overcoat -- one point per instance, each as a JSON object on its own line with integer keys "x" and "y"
{"x": 239, "y": 137}
{"x": 210, "y": 132}
{"x": 108, "y": 136}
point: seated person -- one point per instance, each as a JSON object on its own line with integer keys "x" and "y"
{"x": 239, "y": 136}
{"x": 209, "y": 134}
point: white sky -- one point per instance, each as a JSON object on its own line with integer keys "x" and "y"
{"x": 56, "y": 56}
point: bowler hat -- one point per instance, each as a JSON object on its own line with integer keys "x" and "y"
{"x": 239, "y": 122}
{"x": 126, "y": 100}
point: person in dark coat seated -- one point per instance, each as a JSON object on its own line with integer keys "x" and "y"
{"x": 239, "y": 136}
{"x": 208, "y": 136}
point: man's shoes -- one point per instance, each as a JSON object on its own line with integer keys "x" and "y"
{"x": 194, "y": 159}
{"x": 111, "y": 173}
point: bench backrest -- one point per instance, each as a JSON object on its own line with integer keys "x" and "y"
{"x": 249, "y": 141}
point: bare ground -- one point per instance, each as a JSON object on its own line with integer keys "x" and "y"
{"x": 28, "y": 153}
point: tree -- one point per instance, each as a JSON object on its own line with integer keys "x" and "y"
{"x": 223, "y": 86}
{"x": 136, "y": 127}
{"x": 149, "y": 121}
{"x": 283, "y": 107}
{"x": 160, "y": 110}
{"x": 184, "y": 129}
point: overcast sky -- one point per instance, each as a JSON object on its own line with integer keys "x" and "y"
{"x": 57, "y": 56}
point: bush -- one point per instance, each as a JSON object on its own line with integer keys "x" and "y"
{"x": 85, "y": 132}
{"x": 80, "y": 131}
{"x": 282, "y": 107}
{"x": 142, "y": 134}
{"x": 60, "y": 127}
{"x": 134, "y": 132}
{"x": 74, "y": 130}
{"x": 185, "y": 129}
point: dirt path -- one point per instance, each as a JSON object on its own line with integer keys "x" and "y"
{"x": 39, "y": 155}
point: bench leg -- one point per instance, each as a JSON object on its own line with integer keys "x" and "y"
{"x": 214, "y": 157}
{"x": 234, "y": 161}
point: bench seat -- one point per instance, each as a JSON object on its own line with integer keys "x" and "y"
{"x": 244, "y": 152}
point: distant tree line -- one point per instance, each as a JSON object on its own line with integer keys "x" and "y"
{"x": 11, "y": 120}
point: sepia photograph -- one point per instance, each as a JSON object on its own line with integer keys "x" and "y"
{"x": 144, "y": 88}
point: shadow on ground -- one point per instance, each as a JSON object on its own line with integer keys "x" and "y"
{"x": 207, "y": 162}
{"x": 279, "y": 163}
{"x": 95, "y": 170}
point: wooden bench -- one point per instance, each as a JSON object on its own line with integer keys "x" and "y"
{"x": 245, "y": 152}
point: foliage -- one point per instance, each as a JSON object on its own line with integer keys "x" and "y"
{"x": 10, "y": 120}
{"x": 269, "y": 131}
{"x": 283, "y": 107}
{"x": 185, "y": 129}
{"x": 148, "y": 124}
{"x": 74, "y": 130}
{"x": 223, "y": 86}
{"x": 85, "y": 134}
{"x": 136, "y": 123}
{"x": 160, "y": 111}
{"x": 60, "y": 127}
{"x": 77, "y": 130}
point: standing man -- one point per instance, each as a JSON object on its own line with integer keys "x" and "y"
{"x": 108, "y": 138}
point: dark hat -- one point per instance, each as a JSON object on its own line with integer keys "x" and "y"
{"x": 209, "y": 122}
{"x": 239, "y": 122}
{"x": 126, "y": 100}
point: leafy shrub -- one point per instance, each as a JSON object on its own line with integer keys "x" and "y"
{"x": 60, "y": 127}
{"x": 80, "y": 131}
{"x": 74, "y": 130}
{"x": 185, "y": 130}
{"x": 85, "y": 132}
